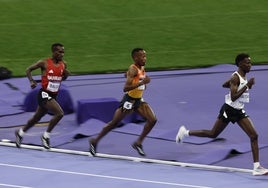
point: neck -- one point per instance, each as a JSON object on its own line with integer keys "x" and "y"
{"x": 55, "y": 60}
{"x": 242, "y": 73}
{"x": 137, "y": 65}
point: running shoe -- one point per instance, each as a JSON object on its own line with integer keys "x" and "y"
{"x": 260, "y": 171}
{"x": 18, "y": 139}
{"x": 92, "y": 148}
{"x": 181, "y": 134}
{"x": 138, "y": 148}
{"x": 46, "y": 142}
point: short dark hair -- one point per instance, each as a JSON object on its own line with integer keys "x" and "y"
{"x": 240, "y": 57}
{"x": 135, "y": 50}
{"x": 53, "y": 46}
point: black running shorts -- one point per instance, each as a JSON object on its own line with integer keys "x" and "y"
{"x": 228, "y": 113}
{"x": 129, "y": 103}
{"x": 44, "y": 96}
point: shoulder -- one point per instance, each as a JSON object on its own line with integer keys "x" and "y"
{"x": 133, "y": 67}
{"x": 235, "y": 79}
{"x": 235, "y": 75}
{"x": 132, "y": 70}
{"x": 42, "y": 62}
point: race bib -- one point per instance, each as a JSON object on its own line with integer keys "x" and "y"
{"x": 53, "y": 86}
{"x": 244, "y": 98}
{"x": 142, "y": 87}
{"x": 128, "y": 105}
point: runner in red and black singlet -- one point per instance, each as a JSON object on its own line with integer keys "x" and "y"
{"x": 52, "y": 77}
{"x": 54, "y": 71}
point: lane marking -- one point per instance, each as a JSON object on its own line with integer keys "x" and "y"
{"x": 103, "y": 176}
{"x": 16, "y": 186}
{"x": 129, "y": 158}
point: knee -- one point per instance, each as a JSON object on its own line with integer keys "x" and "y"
{"x": 214, "y": 135}
{"x": 59, "y": 115}
{"x": 152, "y": 121}
{"x": 112, "y": 124}
{"x": 210, "y": 134}
{"x": 254, "y": 137}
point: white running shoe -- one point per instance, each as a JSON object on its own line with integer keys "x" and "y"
{"x": 260, "y": 171}
{"x": 181, "y": 134}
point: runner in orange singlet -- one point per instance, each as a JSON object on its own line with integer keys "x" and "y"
{"x": 136, "y": 81}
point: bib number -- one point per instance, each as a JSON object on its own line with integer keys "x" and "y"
{"x": 128, "y": 105}
{"x": 244, "y": 98}
{"x": 141, "y": 87}
{"x": 53, "y": 86}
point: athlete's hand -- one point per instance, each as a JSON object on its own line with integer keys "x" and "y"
{"x": 251, "y": 82}
{"x": 33, "y": 84}
{"x": 146, "y": 80}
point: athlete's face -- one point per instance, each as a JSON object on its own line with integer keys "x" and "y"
{"x": 245, "y": 65}
{"x": 140, "y": 58}
{"x": 58, "y": 53}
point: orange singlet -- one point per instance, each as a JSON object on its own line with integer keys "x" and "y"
{"x": 137, "y": 92}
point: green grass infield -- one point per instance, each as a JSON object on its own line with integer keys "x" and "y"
{"x": 99, "y": 34}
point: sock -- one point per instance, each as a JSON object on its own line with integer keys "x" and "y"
{"x": 187, "y": 132}
{"x": 46, "y": 134}
{"x": 21, "y": 132}
{"x": 256, "y": 165}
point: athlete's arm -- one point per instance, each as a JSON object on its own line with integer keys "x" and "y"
{"x": 234, "y": 83}
{"x": 226, "y": 84}
{"x": 131, "y": 73}
{"x": 41, "y": 64}
{"x": 66, "y": 72}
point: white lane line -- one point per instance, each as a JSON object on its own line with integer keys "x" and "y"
{"x": 137, "y": 159}
{"x": 103, "y": 176}
{"x": 16, "y": 186}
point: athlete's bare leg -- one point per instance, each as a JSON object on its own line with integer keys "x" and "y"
{"x": 218, "y": 127}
